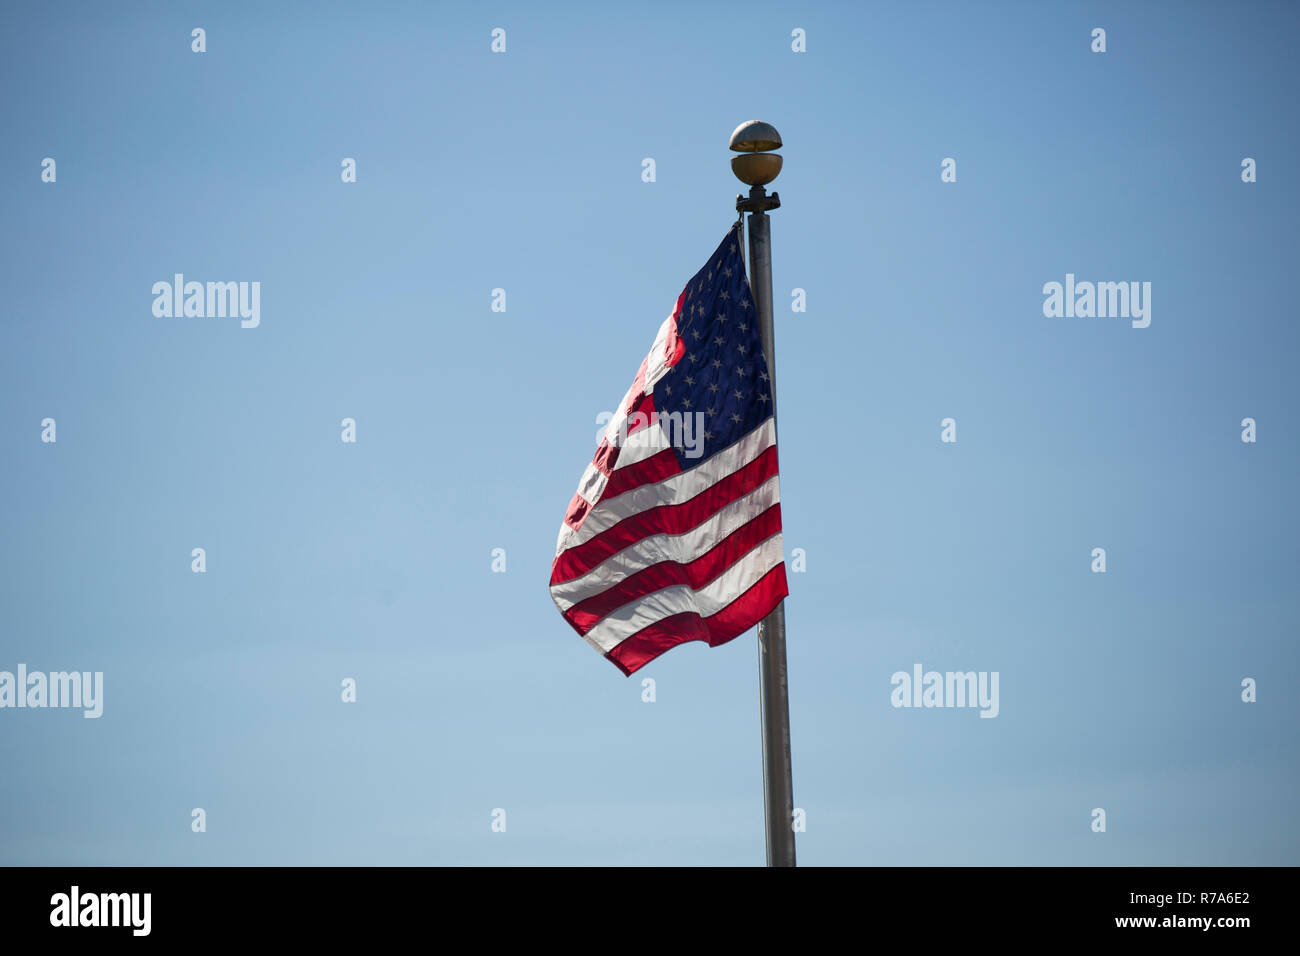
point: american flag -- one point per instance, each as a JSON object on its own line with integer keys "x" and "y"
{"x": 674, "y": 534}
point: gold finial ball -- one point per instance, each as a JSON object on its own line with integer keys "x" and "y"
{"x": 755, "y": 136}
{"x": 756, "y": 165}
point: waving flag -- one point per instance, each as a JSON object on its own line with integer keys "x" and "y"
{"x": 674, "y": 534}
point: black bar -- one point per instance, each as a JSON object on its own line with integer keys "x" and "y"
{"x": 980, "y": 905}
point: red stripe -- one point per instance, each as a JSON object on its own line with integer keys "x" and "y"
{"x": 674, "y": 347}
{"x": 660, "y": 465}
{"x": 606, "y": 457}
{"x": 694, "y": 574}
{"x": 605, "y": 460}
{"x": 578, "y": 509}
{"x": 677, "y": 309}
{"x": 644, "y": 406}
{"x": 664, "y": 519}
{"x": 733, "y": 620}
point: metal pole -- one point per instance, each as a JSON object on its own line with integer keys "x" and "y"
{"x": 774, "y": 699}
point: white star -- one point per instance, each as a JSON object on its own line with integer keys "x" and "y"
{"x": 763, "y": 398}
{"x": 739, "y": 394}
{"x": 686, "y": 403}
{"x": 735, "y": 418}
{"x": 763, "y": 375}
{"x": 744, "y": 327}
{"x": 691, "y": 356}
{"x": 713, "y": 387}
{"x": 708, "y": 436}
{"x": 744, "y": 303}
{"x": 742, "y": 348}
{"x": 739, "y": 371}
{"x": 717, "y": 363}
{"x": 723, "y": 293}
{"x": 727, "y": 272}
{"x": 696, "y": 333}
{"x": 690, "y": 380}
{"x": 710, "y": 412}
{"x": 719, "y": 340}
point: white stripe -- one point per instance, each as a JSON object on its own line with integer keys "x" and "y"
{"x": 562, "y": 541}
{"x": 621, "y": 624}
{"x": 656, "y": 365}
{"x": 590, "y": 487}
{"x": 641, "y": 444}
{"x": 682, "y": 548}
{"x": 592, "y": 483}
{"x": 677, "y": 488}
{"x": 655, "y": 369}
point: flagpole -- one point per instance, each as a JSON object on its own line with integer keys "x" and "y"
{"x": 756, "y": 166}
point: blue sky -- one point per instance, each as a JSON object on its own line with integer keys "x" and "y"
{"x": 522, "y": 171}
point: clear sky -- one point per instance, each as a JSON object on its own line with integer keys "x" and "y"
{"x": 522, "y": 171}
